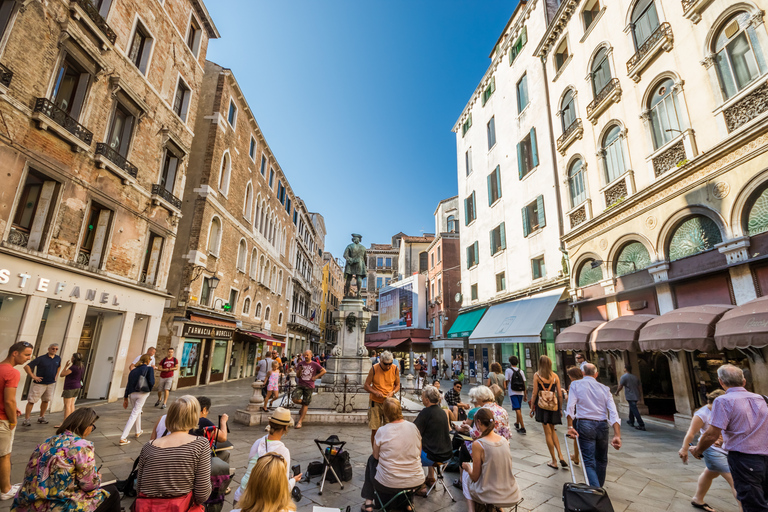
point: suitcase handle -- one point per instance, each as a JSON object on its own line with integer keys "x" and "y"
{"x": 570, "y": 461}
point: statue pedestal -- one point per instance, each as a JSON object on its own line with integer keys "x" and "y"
{"x": 349, "y": 358}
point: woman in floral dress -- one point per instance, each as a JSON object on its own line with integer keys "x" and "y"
{"x": 61, "y": 475}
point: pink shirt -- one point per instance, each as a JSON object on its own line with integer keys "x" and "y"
{"x": 743, "y": 418}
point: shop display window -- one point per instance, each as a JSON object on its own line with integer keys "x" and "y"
{"x": 703, "y": 371}
{"x": 656, "y": 381}
{"x": 219, "y": 360}
{"x": 11, "y": 310}
{"x": 190, "y": 356}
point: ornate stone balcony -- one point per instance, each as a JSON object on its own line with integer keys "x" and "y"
{"x": 50, "y": 117}
{"x": 661, "y": 39}
{"x": 672, "y": 157}
{"x": 163, "y": 197}
{"x": 571, "y": 134}
{"x": 86, "y": 12}
{"x": 747, "y": 108}
{"x": 578, "y": 216}
{"x": 615, "y": 193}
{"x": 610, "y": 94}
{"x": 692, "y": 9}
{"x": 108, "y": 158}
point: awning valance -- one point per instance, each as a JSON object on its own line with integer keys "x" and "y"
{"x": 518, "y": 321}
{"x": 420, "y": 341}
{"x": 744, "y": 326}
{"x": 576, "y": 337}
{"x": 465, "y": 323}
{"x": 392, "y": 343}
{"x": 258, "y": 336}
{"x": 620, "y": 333}
{"x": 691, "y": 328}
{"x": 212, "y": 321}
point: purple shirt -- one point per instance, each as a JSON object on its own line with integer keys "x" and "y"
{"x": 306, "y": 373}
{"x": 74, "y": 379}
{"x": 743, "y": 418}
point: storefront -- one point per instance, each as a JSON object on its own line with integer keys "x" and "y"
{"x": 204, "y": 347}
{"x": 109, "y": 323}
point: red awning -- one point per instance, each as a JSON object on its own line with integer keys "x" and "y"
{"x": 373, "y": 344}
{"x": 263, "y": 337}
{"x": 212, "y": 321}
{"x": 691, "y": 328}
{"x": 392, "y": 342}
{"x": 576, "y": 337}
{"x": 620, "y": 333}
{"x": 421, "y": 341}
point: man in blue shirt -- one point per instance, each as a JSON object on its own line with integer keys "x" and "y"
{"x": 43, "y": 370}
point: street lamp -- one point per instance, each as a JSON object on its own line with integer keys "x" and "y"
{"x": 213, "y": 282}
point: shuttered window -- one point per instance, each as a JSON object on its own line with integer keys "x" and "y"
{"x": 494, "y": 186}
{"x": 498, "y": 239}
{"x": 527, "y": 154}
{"x": 473, "y": 255}
{"x": 470, "y": 209}
{"x": 533, "y": 216}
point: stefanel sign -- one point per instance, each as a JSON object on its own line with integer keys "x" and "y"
{"x": 206, "y": 331}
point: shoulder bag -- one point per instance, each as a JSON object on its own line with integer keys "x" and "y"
{"x": 547, "y": 399}
{"x": 142, "y": 386}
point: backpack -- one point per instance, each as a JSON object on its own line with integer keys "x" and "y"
{"x": 341, "y": 465}
{"x": 516, "y": 383}
{"x": 547, "y": 399}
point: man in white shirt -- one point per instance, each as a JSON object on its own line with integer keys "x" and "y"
{"x": 264, "y": 366}
{"x": 518, "y": 392}
{"x": 590, "y": 403}
{"x": 151, "y": 353}
{"x": 434, "y": 367}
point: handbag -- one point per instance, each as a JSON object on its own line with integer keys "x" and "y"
{"x": 142, "y": 386}
{"x": 547, "y": 399}
{"x": 178, "y": 504}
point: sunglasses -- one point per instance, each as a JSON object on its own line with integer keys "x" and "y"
{"x": 26, "y": 344}
{"x": 93, "y": 427}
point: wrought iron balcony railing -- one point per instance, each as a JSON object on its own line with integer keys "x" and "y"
{"x": 60, "y": 117}
{"x": 101, "y": 23}
{"x": 165, "y": 194}
{"x": 663, "y": 32}
{"x": 567, "y": 137}
{"x": 116, "y": 158}
{"x": 18, "y": 237}
{"x": 609, "y": 88}
{"x": 6, "y": 75}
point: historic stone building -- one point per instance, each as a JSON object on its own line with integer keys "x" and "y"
{"x": 333, "y": 290}
{"x": 382, "y": 269}
{"x": 98, "y": 107}
{"x": 664, "y": 183}
{"x": 230, "y": 272}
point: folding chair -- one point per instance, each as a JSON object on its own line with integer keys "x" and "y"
{"x": 396, "y": 501}
{"x": 482, "y": 507}
{"x": 440, "y": 479}
{"x": 332, "y": 442}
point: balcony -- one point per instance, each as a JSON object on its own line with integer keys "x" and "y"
{"x": 303, "y": 322}
{"x": 615, "y": 193}
{"x": 571, "y": 134}
{"x": 18, "y": 237}
{"x": 610, "y": 94}
{"x": 86, "y": 12}
{"x": 6, "y": 75}
{"x": 747, "y": 108}
{"x": 163, "y": 197}
{"x": 692, "y": 9}
{"x": 108, "y": 158}
{"x": 50, "y": 117}
{"x": 661, "y": 39}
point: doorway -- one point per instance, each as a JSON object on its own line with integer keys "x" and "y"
{"x": 204, "y": 375}
{"x": 98, "y": 346}
{"x": 85, "y": 347}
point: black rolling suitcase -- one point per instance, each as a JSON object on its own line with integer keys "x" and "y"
{"x": 583, "y": 497}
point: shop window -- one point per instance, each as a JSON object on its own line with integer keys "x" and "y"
{"x": 247, "y": 305}
{"x": 11, "y": 312}
{"x": 121, "y": 130}
{"x": 494, "y": 185}
{"x": 757, "y": 219}
{"x": 613, "y": 154}
{"x": 645, "y": 21}
{"x": 194, "y": 35}
{"x": 140, "y": 48}
{"x": 501, "y": 282}
{"x": 567, "y": 110}
{"x": 533, "y": 216}
{"x": 470, "y": 209}
{"x": 491, "y": 132}
{"x": 154, "y": 252}
{"x": 693, "y": 236}
{"x": 632, "y": 258}
{"x": 473, "y": 292}
{"x": 738, "y": 56}
{"x": 71, "y": 85}
{"x": 537, "y": 268}
{"x": 666, "y": 120}
{"x": 703, "y": 370}
{"x": 32, "y": 218}
{"x": 589, "y": 274}
{"x": 181, "y": 100}
{"x": 219, "y": 358}
{"x": 527, "y": 154}
{"x": 498, "y": 239}
{"x": 590, "y": 13}
{"x": 94, "y": 239}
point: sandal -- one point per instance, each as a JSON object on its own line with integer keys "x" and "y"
{"x": 553, "y": 466}
{"x": 703, "y": 506}
{"x": 366, "y": 507}
{"x": 421, "y": 491}
{"x": 298, "y": 425}
{"x": 563, "y": 464}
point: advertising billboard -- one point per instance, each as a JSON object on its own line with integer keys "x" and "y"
{"x": 403, "y": 304}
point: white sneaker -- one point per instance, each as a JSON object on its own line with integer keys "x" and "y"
{"x": 10, "y": 494}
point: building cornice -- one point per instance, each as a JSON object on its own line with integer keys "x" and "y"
{"x": 556, "y": 28}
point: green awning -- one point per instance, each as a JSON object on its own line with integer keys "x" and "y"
{"x": 465, "y": 323}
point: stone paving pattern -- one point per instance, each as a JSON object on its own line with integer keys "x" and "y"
{"x": 645, "y": 475}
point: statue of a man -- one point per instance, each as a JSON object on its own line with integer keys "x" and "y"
{"x": 355, "y": 255}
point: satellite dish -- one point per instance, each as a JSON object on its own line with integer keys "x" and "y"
{"x": 457, "y": 297}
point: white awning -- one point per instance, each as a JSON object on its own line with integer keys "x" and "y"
{"x": 519, "y": 321}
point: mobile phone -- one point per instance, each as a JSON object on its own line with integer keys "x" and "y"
{"x": 296, "y": 469}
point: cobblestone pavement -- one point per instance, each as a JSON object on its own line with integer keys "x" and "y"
{"x": 645, "y": 475}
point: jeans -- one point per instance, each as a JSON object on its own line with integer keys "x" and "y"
{"x": 634, "y": 413}
{"x": 593, "y": 440}
{"x": 750, "y": 479}
{"x": 138, "y": 400}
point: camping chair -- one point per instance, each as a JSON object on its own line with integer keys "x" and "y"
{"x": 329, "y": 445}
{"x": 439, "y": 479}
{"x": 401, "y": 500}
{"x": 482, "y": 507}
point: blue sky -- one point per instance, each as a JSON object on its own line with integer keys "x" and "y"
{"x": 357, "y": 99}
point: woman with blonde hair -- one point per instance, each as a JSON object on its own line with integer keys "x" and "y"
{"x": 546, "y": 404}
{"x": 267, "y": 489}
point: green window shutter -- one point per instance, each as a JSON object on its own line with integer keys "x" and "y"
{"x": 490, "y": 198}
{"x": 477, "y": 252}
{"x": 469, "y": 257}
{"x": 540, "y": 207}
{"x": 526, "y": 231}
{"x": 493, "y": 85}
{"x": 534, "y": 148}
{"x": 519, "y": 161}
{"x": 503, "y": 235}
{"x": 524, "y": 36}
{"x": 474, "y": 206}
{"x": 466, "y": 213}
{"x": 498, "y": 180}
{"x": 493, "y": 249}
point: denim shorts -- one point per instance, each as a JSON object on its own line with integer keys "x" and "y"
{"x": 715, "y": 460}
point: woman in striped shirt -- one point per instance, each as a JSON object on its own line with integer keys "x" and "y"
{"x": 179, "y": 463}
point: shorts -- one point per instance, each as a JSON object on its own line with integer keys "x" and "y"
{"x": 376, "y": 418}
{"x": 303, "y": 394}
{"x": 70, "y": 393}
{"x": 165, "y": 383}
{"x": 517, "y": 402}
{"x": 42, "y": 392}
{"x": 715, "y": 460}
{"x": 6, "y": 437}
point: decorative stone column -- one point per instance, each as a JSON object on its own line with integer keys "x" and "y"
{"x": 253, "y": 413}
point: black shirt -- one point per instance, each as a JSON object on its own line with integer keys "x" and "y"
{"x": 433, "y": 425}
{"x": 202, "y": 424}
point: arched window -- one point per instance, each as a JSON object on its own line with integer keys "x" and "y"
{"x": 589, "y": 274}
{"x": 757, "y": 220}
{"x": 226, "y": 167}
{"x": 738, "y": 56}
{"x": 601, "y": 71}
{"x": 576, "y": 183}
{"x": 613, "y": 154}
{"x": 214, "y": 236}
{"x": 423, "y": 262}
{"x": 261, "y": 222}
{"x": 632, "y": 257}
{"x": 273, "y": 279}
{"x": 282, "y": 249}
{"x": 262, "y": 268}
{"x": 451, "y": 224}
{"x": 256, "y": 217}
{"x": 265, "y": 278}
{"x": 266, "y": 314}
{"x": 665, "y": 113}
{"x": 279, "y": 281}
{"x": 695, "y": 235}
{"x": 280, "y": 319}
{"x": 248, "y": 206}
{"x": 254, "y": 265}
{"x": 242, "y": 250}
{"x": 568, "y": 110}
{"x": 258, "y": 310}
{"x": 247, "y": 305}
{"x": 645, "y": 21}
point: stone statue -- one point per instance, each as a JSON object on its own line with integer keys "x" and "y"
{"x": 355, "y": 255}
